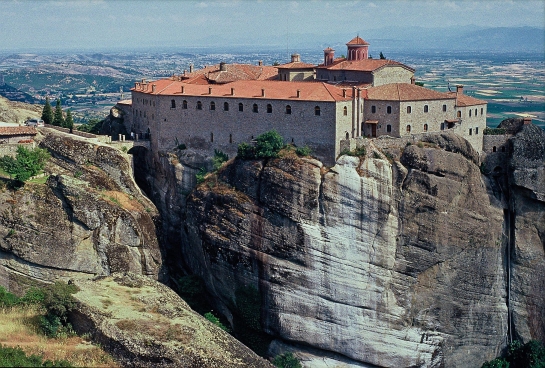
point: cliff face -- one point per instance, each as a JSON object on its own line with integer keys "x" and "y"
{"x": 393, "y": 264}
{"x": 89, "y": 218}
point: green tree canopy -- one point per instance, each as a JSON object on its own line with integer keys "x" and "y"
{"x": 47, "y": 112}
{"x": 58, "y": 119}
{"x": 27, "y": 163}
{"x": 69, "y": 121}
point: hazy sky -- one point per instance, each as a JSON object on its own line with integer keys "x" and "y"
{"x": 26, "y": 24}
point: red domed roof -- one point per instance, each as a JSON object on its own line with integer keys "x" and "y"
{"x": 357, "y": 41}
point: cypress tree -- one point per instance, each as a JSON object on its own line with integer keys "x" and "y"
{"x": 382, "y": 56}
{"x": 69, "y": 121}
{"x": 58, "y": 118}
{"x": 47, "y": 112}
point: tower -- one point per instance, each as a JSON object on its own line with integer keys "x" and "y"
{"x": 329, "y": 56}
{"x": 358, "y": 49}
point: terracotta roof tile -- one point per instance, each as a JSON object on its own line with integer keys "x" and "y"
{"x": 357, "y": 41}
{"x": 274, "y": 90}
{"x": 405, "y": 92}
{"x": 465, "y": 100}
{"x": 17, "y": 130}
{"x": 296, "y": 65}
{"x": 365, "y": 65}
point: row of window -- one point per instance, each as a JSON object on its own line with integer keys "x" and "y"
{"x": 409, "y": 109}
{"x": 255, "y": 107}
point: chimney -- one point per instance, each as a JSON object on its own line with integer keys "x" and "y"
{"x": 413, "y": 80}
{"x": 260, "y": 63}
{"x": 232, "y": 91}
{"x": 295, "y": 58}
{"x": 136, "y": 85}
{"x": 209, "y": 90}
{"x": 143, "y": 81}
{"x": 183, "y": 89}
{"x": 185, "y": 71}
{"x": 298, "y": 93}
{"x": 459, "y": 89}
{"x": 329, "y": 55}
{"x": 262, "y": 92}
{"x": 153, "y": 87}
{"x": 527, "y": 120}
{"x": 223, "y": 67}
{"x": 344, "y": 92}
{"x": 191, "y": 68}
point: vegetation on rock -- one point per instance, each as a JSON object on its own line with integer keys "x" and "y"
{"x": 27, "y": 163}
{"x": 16, "y": 357}
{"x": 267, "y": 146}
{"x": 518, "y": 355}
{"x": 287, "y": 360}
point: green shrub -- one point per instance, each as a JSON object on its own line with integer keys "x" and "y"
{"x": 215, "y": 320}
{"x": 267, "y": 146}
{"x": 16, "y": 357}
{"x": 27, "y": 163}
{"x": 58, "y": 301}
{"x": 181, "y": 147}
{"x": 33, "y": 296}
{"x": 219, "y": 159}
{"x": 303, "y": 151}
{"x": 529, "y": 355}
{"x": 245, "y": 151}
{"x": 494, "y": 131}
{"x": 7, "y": 299}
{"x": 200, "y": 175}
{"x": 287, "y": 360}
{"x": 359, "y": 151}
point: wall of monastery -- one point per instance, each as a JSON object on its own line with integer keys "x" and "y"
{"x": 208, "y": 129}
{"x": 495, "y": 143}
{"x": 384, "y": 118}
{"x": 437, "y": 112}
{"x": 472, "y": 125}
{"x": 391, "y": 74}
{"x": 343, "y": 75}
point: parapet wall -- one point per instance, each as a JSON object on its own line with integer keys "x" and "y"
{"x": 495, "y": 143}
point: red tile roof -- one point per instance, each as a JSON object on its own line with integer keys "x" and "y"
{"x": 465, "y": 100}
{"x": 274, "y": 90}
{"x": 231, "y": 73}
{"x": 17, "y": 130}
{"x": 405, "y": 92}
{"x": 296, "y": 65}
{"x": 365, "y": 65}
{"x": 357, "y": 41}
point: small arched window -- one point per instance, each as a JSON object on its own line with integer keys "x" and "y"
{"x": 408, "y": 128}
{"x": 373, "y": 109}
{"x": 503, "y": 148}
{"x": 482, "y": 110}
{"x": 476, "y": 130}
{"x": 226, "y": 106}
{"x": 494, "y": 149}
{"x": 317, "y": 110}
{"x": 470, "y": 130}
{"x": 211, "y": 137}
{"x": 469, "y": 112}
{"x": 442, "y": 126}
{"x": 444, "y": 108}
{"x": 269, "y": 108}
{"x": 347, "y": 135}
{"x": 475, "y": 112}
{"x": 288, "y": 109}
{"x": 389, "y": 109}
{"x": 409, "y": 109}
{"x": 425, "y": 127}
{"x": 459, "y": 114}
{"x": 230, "y": 138}
{"x": 240, "y": 107}
{"x": 199, "y": 105}
{"x": 172, "y": 104}
{"x": 388, "y": 128}
{"x": 345, "y": 111}
{"x": 212, "y": 105}
{"x": 255, "y": 108}
{"x": 426, "y": 108}
{"x": 184, "y": 104}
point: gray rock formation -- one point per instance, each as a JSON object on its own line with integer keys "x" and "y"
{"x": 143, "y": 323}
{"x": 88, "y": 219}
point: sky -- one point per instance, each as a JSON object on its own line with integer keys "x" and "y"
{"x": 111, "y": 24}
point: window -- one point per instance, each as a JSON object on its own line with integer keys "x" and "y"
{"x": 269, "y": 108}
{"x": 426, "y": 109}
{"x": 425, "y": 127}
{"x": 444, "y": 108}
{"x": 494, "y": 149}
{"x": 345, "y": 111}
{"x": 389, "y": 109}
{"x": 409, "y": 109}
{"x": 317, "y": 110}
{"x": 388, "y": 128}
{"x": 408, "y": 128}
{"x": 212, "y": 105}
{"x": 240, "y": 107}
{"x": 459, "y": 114}
{"x": 184, "y": 104}
{"x": 373, "y": 109}
{"x": 288, "y": 109}
{"x": 442, "y": 126}
{"x": 475, "y": 112}
{"x": 503, "y": 148}
{"x": 254, "y": 108}
{"x": 470, "y": 130}
{"x": 347, "y": 135}
{"x": 226, "y": 106}
{"x": 172, "y": 104}
{"x": 199, "y": 105}
{"x": 482, "y": 110}
{"x": 476, "y": 130}
{"x": 230, "y": 138}
{"x": 211, "y": 137}
{"x": 470, "y": 112}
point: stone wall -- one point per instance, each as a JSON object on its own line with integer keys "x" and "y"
{"x": 495, "y": 143}
{"x": 11, "y": 149}
{"x": 472, "y": 127}
{"x": 391, "y": 74}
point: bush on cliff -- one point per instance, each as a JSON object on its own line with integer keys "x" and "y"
{"x": 27, "y": 163}
{"x": 267, "y": 146}
{"x": 518, "y": 355}
{"x": 58, "y": 301}
{"x": 287, "y": 360}
{"x": 16, "y": 357}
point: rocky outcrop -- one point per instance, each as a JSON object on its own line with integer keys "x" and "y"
{"x": 143, "y": 323}
{"x": 89, "y": 218}
{"x": 387, "y": 263}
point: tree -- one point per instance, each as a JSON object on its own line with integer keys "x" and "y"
{"x": 381, "y": 56}
{"x": 27, "y": 163}
{"x": 47, "y": 112}
{"x": 69, "y": 121}
{"x": 268, "y": 144}
{"x": 58, "y": 119}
